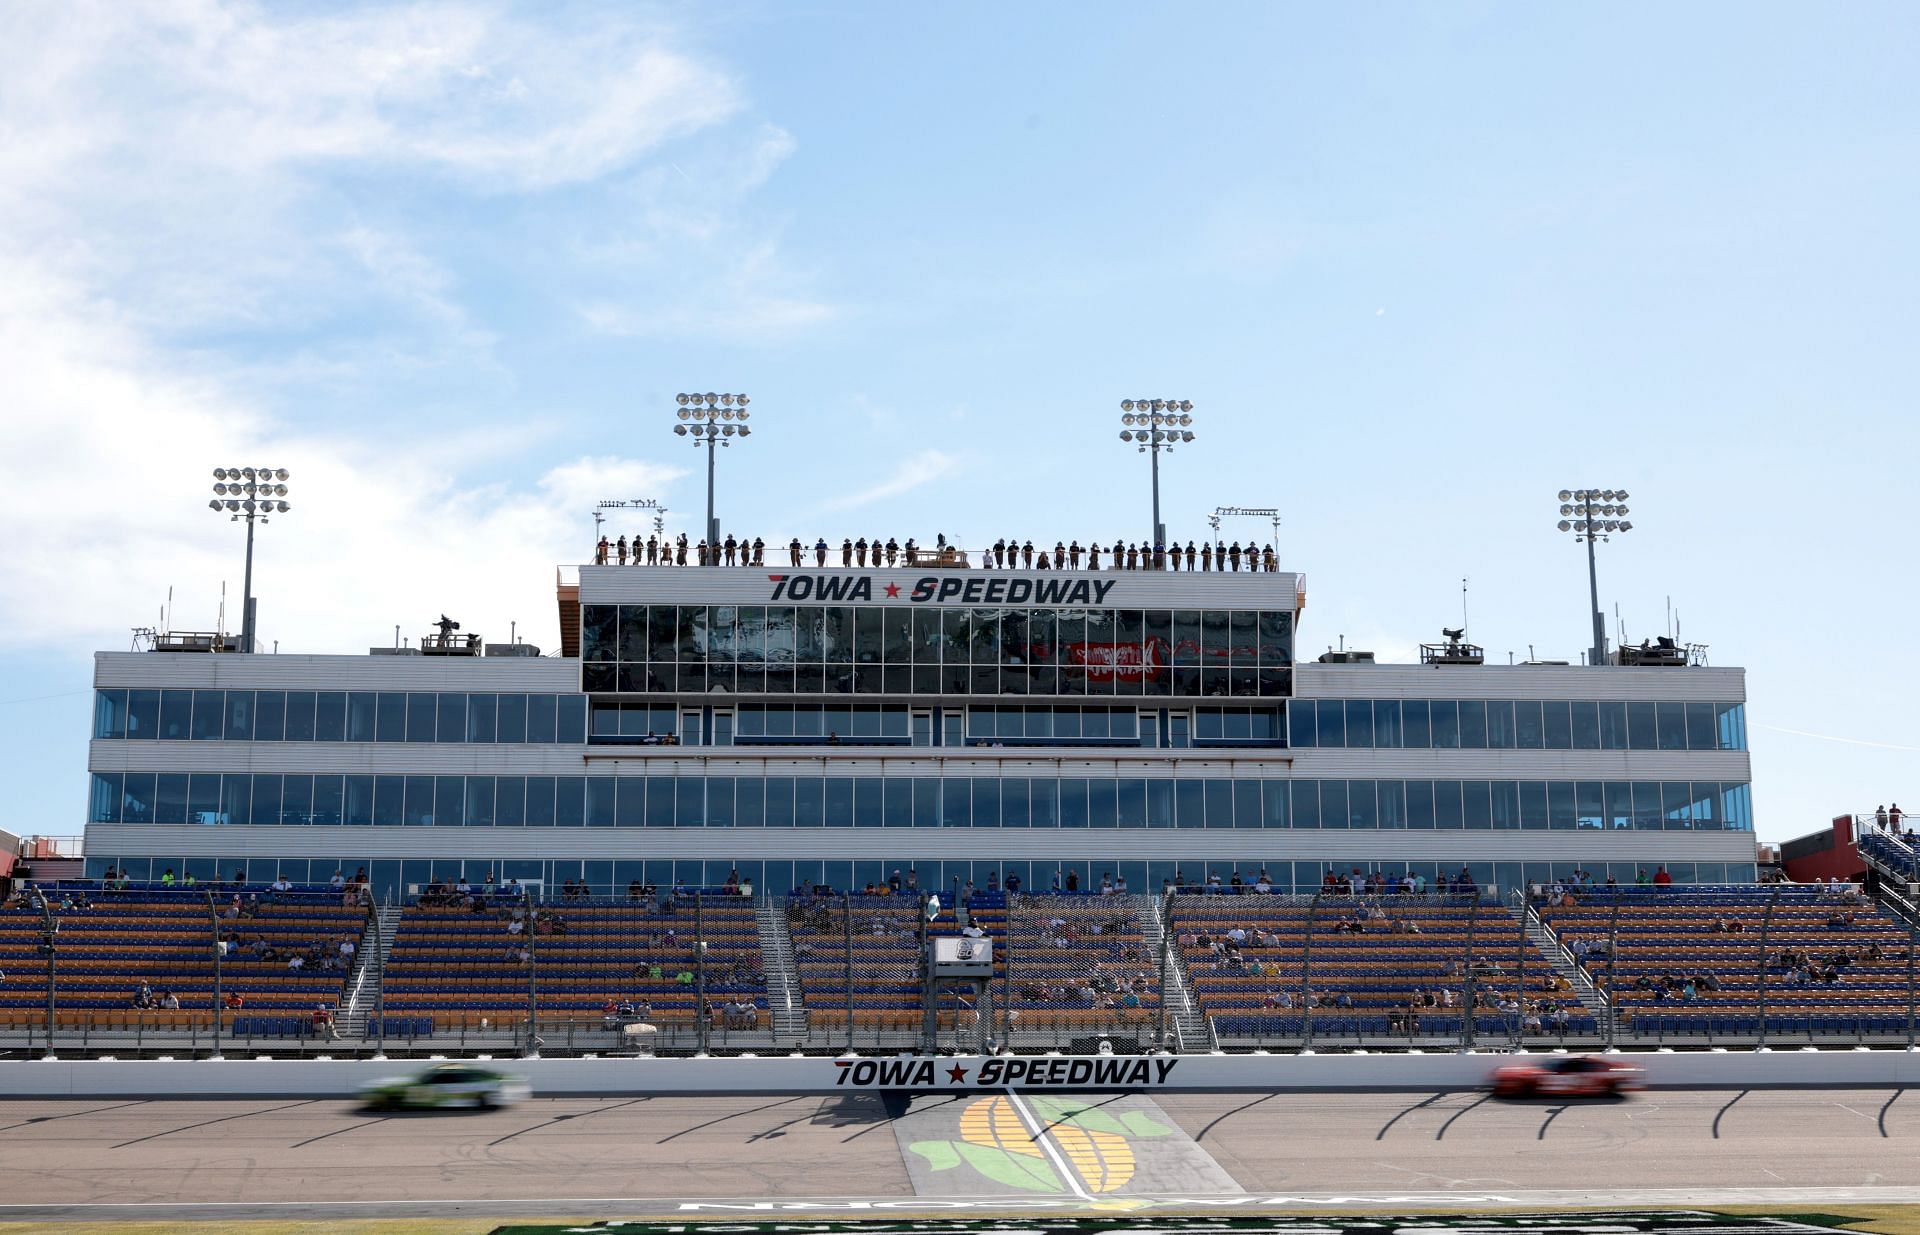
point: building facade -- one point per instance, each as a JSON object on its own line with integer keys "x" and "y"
{"x": 832, "y": 725}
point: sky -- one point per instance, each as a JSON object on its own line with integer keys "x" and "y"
{"x": 1418, "y": 267}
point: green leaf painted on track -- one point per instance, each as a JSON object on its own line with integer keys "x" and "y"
{"x": 1054, "y": 1110}
{"x": 1142, "y": 1124}
{"x": 1013, "y": 1170}
{"x": 940, "y": 1155}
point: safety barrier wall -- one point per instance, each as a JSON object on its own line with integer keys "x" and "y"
{"x": 1233, "y": 1073}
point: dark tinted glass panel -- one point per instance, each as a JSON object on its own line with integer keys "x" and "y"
{"x": 358, "y": 808}
{"x": 1527, "y": 731}
{"x": 600, "y": 801}
{"x": 300, "y": 715}
{"x": 389, "y": 800}
{"x": 240, "y": 716}
{"x": 542, "y": 718}
{"x": 420, "y": 709}
{"x": 176, "y": 715}
{"x": 1586, "y": 725}
{"x": 1415, "y": 722}
{"x": 510, "y": 718}
{"x": 1671, "y": 724}
{"x": 1500, "y": 725}
{"x": 540, "y": 802}
{"x": 569, "y": 801}
{"x": 1473, "y": 724}
{"x": 209, "y": 715}
{"x": 330, "y": 716}
{"x": 1446, "y": 723}
{"x": 482, "y": 717}
{"x": 143, "y": 713}
{"x": 452, "y": 723}
{"x": 1642, "y": 728}
{"x": 1702, "y": 732}
{"x": 362, "y": 716}
{"x": 1359, "y": 715}
{"x": 1557, "y": 724}
{"x": 572, "y": 723}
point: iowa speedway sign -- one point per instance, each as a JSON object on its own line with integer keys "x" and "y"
{"x": 922, "y": 1073}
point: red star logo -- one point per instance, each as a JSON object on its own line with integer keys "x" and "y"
{"x": 893, "y": 589}
{"x": 775, "y": 578}
{"x": 956, "y": 1074}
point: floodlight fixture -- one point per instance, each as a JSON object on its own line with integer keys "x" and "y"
{"x": 1598, "y": 517}
{"x": 714, "y": 416}
{"x": 253, "y": 494}
{"x": 1154, "y": 425}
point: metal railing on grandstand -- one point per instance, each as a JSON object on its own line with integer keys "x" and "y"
{"x": 151, "y": 968}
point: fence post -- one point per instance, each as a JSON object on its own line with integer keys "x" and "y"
{"x": 533, "y": 975}
{"x": 1766, "y": 926}
{"x": 1163, "y": 907}
{"x": 700, "y": 971}
{"x": 219, "y": 954}
{"x": 49, "y": 929}
{"x": 1613, "y": 959}
{"x": 1306, "y": 974}
{"x": 1517, "y": 1030}
{"x": 846, "y": 931}
{"x": 380, "y": 981}
{"x": 1911, "y": 938}
{"x": 1466, "y": 972}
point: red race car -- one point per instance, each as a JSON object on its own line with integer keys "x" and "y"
{"x": 1569, "y": 1076}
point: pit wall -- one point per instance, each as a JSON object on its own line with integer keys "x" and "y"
{"x": 99, "y": 1078}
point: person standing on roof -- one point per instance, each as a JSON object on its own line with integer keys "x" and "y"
{"x": 820, "y": 552}
{"x": 793, "y": 550}
{"x": 600, "y": 552}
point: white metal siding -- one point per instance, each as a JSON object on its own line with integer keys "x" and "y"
{"x": 146, "y": 670}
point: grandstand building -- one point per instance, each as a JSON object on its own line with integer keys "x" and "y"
{"x": 830, "y": 725}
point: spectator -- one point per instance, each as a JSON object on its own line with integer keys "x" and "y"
{"x": 1661, "y": 878}
{"x": 338, "y": 882}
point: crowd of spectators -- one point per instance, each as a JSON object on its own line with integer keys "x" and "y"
{"x": 659, "y": 550}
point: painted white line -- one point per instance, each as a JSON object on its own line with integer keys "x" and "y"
{"x": 1047, "y": 1146}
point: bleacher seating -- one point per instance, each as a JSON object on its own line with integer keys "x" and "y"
{"x": 1891, "y": 853}
{"x": 885, "y": 948}
{"x": 457, "y": 966}
{"x": 1375, "y": 964}
{"x": 1836, "y": 963}
{"x": 111, "y": 942}
{"x": 1080, "y": 959}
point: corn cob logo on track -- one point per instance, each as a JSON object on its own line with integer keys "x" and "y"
{"x": 1097, "y": 1145}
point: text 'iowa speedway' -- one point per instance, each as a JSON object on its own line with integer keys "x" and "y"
{"x": 919, "y": 1073}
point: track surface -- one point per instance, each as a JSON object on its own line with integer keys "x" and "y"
{"x": 171, "y": 1159}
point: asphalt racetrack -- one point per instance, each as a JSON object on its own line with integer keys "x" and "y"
{"x": 180, "y": 1160}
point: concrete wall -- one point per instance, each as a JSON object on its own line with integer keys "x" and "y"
{"x": 1237, "y": 1073}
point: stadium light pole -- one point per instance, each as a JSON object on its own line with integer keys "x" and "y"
{"x": 711, "y": 420}
{"x": 250, "y": 493}
{"x": 1154, "y": 425}
{"x": 1594, "y": 514}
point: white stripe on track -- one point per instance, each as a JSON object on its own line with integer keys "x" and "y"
{"x": 1047, "y": 1146}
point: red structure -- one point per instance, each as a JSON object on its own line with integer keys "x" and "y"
{"x": 1832, "y": 853}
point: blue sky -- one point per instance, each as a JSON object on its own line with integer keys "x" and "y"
{"x": 1418, "y": 267}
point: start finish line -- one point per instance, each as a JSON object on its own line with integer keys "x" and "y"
{"x": 1636, "y": 1222}
{"x": 1096, "y": 1072}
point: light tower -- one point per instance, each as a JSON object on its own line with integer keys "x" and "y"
{"x": 250, "y": 493}
{"x": 712, "y": 420}
{"x": 1594, "y": 514}
{"x": 1156, "y": 425}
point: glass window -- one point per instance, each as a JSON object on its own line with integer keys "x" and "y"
{"x": 1386, "y": 724}
{"x": 327, "y": 800}
{"x": 1589, "y": 805}
{"x": 264, "y": 807}
{"x": 1247, "y": 810}
{"x": 1473, "y": 724}
{"x": 209, "y": 715}
{"x": 1560, "y": 807}
{"x": 1732, "y": 720}
{"x": 1014, "y": 811}
{"x": 330, "y": 716}
{"x": 779, "y": 806}
{"x": 1613, "y": 726}
{"x": 176, "y": 715}
{"x": 419, "y": 810}
{"x": 1619, "y": 804}
{"x": 601, "y": 804}
{"x": 300, "y": 716}
{"x": 569, "y": 801}
{"x": 750, "y": 803}
{"x": 1446, "y": 723}
{"x": 631, "y": 811}
{"x": 239, "y": 726}
{"x": 1476, "y": 807}
{"x": 449, "y": 801}
{"x": 986, "y": 802}
{"x": 362, "y": 716}
{"x": 510, "y": 801}
{"x": 1075, "y": 804}
{"x": 452, "y": 724}
{"x": 143, "y": 713}
{"x": 1103, "y": 802}
{"x": 170, "y": 798}
{"x": 1416, "y": 721}
{"x": 542, "y": 719}
{"x": 1527, "y": 731}
{"x": 599, "y": 632}
{"x": 1359, "y": 718}
{"x": 1305, "y": 795}
{"x": 420, "y": 716}
{"x": 1557, "y": 724}
{"x": 358, "y": 808}
{"x": 389, "y": 800}
{"x": 1332, "y": 725}
{"x": 1702, "y": 733}
{"x": 1303, "y": 730}
{"x": 136, "y": 799}
{"x": 1671, "y": 725}
{"x": 659, "y": 800}
{"x": 390, "y": 717}
{"x": 1448, "y": 808}
{"x": 1533, "y": 804}
{"x": 1132, "y": 802}
{"x": 1499, "y": 725}
{"x": 1363, "y": 810}
{"x": 480, "y": 801}
{"x": 1586, "y": 725}
{"x": 510, "y": 718}
{"x": 104, "y": 804}
{"x": 482, "y": 717}
{"x": 809, "y": 803}
{"x": 1506, "y": 805}
{"x": 1642, "y": 729}
{"x": 719, "y": 802}
{"x": 572, "y": 726}
{"x": 110, "y": 714}
{"x": 866, "y": 802}
{"x": 1190, "y": 804}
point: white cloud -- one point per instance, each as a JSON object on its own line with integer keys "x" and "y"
{"x": 914, "y": 472}
{"x": 106, "y": 489}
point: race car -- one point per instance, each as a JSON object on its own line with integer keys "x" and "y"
{"x": 446, "y": 1085}
{"x": 1569, "y": 1076}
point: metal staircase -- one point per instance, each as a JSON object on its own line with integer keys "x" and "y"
{"x": 1192, "y": 1027}
{"x": 788, "y": 1013}
{"x": 370, "y": 962}
{"x": 1549, "y": 946}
